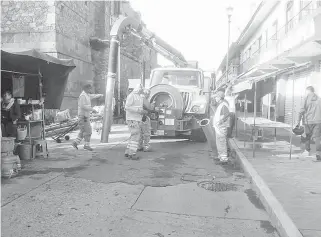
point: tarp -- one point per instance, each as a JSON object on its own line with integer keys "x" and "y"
{"x": 54, "y": 71}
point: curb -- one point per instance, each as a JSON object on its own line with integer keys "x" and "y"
{"x": 278, "y": 215}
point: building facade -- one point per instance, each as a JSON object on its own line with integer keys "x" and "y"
{"x": 280, "y": 50}
{"x": 64, "y": 29}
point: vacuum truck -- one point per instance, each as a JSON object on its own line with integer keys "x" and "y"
{"x": 182, "y": 99}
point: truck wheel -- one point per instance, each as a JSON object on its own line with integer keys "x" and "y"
{"x": 198, "y": 135}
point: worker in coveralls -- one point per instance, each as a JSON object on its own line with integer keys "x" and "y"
{"x": 221, "y": 124}
{"x": 84, "y": 110}
{"x": 146, "y": 126}
{"x": 310, "y": 113}
{"x": 134, "y": 115}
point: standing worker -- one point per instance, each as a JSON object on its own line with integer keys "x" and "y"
{"x": 311, "y": 115}
{"x": 230, "y": 98}
{"x": 134, "y": 115}
{"x": 84, "y": 110}
{"x": 146, "y": 126}
{"x": 220, "y": 124}
{"x": 10, "y": 113}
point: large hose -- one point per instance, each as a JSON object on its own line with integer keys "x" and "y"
{"x": 209, "y": 132}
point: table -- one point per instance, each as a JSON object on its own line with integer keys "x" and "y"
{"x": 262, "y": 123}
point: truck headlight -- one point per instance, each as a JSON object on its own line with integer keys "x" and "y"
{"x": 196, "y": 108}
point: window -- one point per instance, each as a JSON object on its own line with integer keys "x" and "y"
{"x": 275, "y": 30}
{"x": 116, "y": 8}
{"x": 289, "y": 16}
{"x": 266, "y": 37}
{"x": 305, "y": 8}
{"x": 259, "y": 44}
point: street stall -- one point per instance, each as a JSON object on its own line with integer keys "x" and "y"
{"x": 257, "y": 124}
{"x": 36, "y": 82}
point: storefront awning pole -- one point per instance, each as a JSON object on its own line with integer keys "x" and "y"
{"x": 244, "y": 124}
{"x": 42, "y": 105}
{"x": 291, "y": 133}
{"x": 254, "y": 135}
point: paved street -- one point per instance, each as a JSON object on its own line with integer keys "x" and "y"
{"x": 78, "y": 193}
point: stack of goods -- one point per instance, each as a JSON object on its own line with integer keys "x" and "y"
{"x": 10, "y": 163}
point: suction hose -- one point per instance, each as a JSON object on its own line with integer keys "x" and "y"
{"x": 209, "y": 132}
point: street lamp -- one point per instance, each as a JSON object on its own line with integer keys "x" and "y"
{"x": 229, "y": 11}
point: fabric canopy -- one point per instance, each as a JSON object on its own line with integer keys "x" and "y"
{"x": 54, "y": 71}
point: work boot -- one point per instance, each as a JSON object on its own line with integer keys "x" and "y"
{"x": 148, "y": 149}
{"x": 140, "y": 149}
{"x": 88, "y": 148}
{"x": 126, "y": 155}
{"x": 74, "y": 144}
{"x": 305, "y": 154}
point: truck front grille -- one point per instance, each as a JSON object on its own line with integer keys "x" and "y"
{"x": 187, "y": 99}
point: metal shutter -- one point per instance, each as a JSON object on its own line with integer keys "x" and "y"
{"x": 300, "y": 83}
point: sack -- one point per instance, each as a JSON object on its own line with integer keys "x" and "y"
{"x": 63, "y": 116}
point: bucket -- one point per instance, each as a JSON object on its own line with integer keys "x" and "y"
{"x": 26, "y": 151}
{"x": 9, "y": 166}
{"x": 21, "y": 133}
{"x": 7, "y": 144}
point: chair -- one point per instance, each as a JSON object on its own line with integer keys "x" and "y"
{"x": 41, "y": 148}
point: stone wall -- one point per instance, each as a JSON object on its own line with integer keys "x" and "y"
{"x": 28, "y": 24}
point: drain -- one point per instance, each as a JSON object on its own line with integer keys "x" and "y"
{"x": 217, "y": 186}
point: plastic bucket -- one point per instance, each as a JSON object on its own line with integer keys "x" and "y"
{"x": 7, "y": 144}
{"x": 21, "y": 133}
{"x": 26, "y": 151}
{"x": 9, "y": 166}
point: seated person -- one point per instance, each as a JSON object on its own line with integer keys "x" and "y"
{"x": 10, "y": 113}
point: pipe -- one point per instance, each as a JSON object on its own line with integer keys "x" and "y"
{"x": 115, "y": 33}
{"x": 209, "y": 132}
{"x": 110, "y": 85}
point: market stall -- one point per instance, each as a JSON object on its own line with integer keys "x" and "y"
{"x": 257, "y": 124}
{"x": 36, "y": 81}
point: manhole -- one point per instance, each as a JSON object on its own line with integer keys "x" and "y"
{"x": 217, "y": 186}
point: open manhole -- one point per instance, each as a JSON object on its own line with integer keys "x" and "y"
{"x": 217, "y": 186}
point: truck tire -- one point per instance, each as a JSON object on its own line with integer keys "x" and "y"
{"x": 178, "y": 102}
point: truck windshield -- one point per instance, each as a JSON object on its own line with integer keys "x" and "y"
{"x": 178, "y": 78}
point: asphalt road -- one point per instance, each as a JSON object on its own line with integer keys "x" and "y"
{"x": 78, "y": 193}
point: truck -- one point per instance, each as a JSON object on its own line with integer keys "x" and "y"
{"x": 182, "y": 99}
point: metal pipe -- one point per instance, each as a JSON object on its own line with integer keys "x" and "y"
{"x": 228, "y": 47}
{"x": 244, "y": 125}
{"x": 118, "y": 96}
{"x": 254, "y": 119}
{"x": 209, "y": 132}
{"x": 110, "y": 85}
{"x": 291, "y": 136}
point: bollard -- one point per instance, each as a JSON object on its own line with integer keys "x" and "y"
{"x": 209, "y": 132}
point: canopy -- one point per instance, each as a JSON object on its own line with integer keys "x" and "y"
{"x": 54, "y": 71}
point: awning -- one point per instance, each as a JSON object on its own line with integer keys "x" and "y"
{"x": 55, "y": 71}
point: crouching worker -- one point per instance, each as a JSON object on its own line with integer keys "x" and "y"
{"x": 144, "y": 141}
{"x": 221, "y": 124}
{"x": 134, "y": 115}
{"x": 84, "y": 110}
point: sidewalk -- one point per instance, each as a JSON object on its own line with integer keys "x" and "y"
{"x": 296, "y": 182}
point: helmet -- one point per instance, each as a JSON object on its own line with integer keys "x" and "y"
{"x": 299, "y": 130}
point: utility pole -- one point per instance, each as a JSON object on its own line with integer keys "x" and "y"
{"x": 229, "y": 11}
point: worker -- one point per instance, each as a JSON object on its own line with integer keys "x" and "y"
{"x": 144, "y": 140}
{"x": 310, "y": 113}
{"x": 134, "y": 115}
{"x": 220, "y": 124}
{"x": 84, "y": 110}
{"x": 10, "y": 113}
{"x": 230, "y": 98}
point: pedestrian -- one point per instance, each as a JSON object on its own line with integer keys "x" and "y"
{"x": 10, "y": 113}
{"x": 144, "y": 141}
{"x": 134, "y": 115}
{"x": 310, "y": 114}
{"x": 84, "y": 110}
{"x": 231, "y": 99}
{"x": 220, "y": 124}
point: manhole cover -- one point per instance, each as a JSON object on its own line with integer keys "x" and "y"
{"x": 217, "y": 186}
